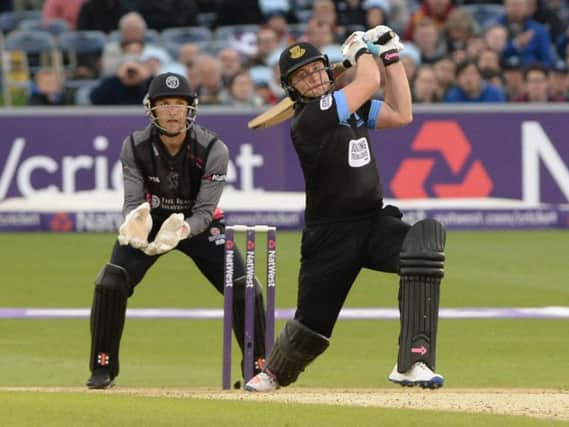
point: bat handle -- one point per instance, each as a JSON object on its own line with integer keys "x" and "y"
{"x": 385, "y": 37}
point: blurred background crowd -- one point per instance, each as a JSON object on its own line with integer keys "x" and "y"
{"x": 104, "y": 52}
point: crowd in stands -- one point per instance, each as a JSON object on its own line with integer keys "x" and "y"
{"x": 109, "y": 50}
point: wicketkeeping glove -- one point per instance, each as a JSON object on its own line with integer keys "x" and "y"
{"x": 171, "y": 232}
{"x": 382, "y": 41}
{"x": 354, "y": 46}
{"x": 136, "y": 226}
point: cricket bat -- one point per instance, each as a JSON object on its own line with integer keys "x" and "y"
{"x": 284, "y": 109}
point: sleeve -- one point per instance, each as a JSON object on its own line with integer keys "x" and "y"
{"x": 133, "y": 181}
{"x": 212, "y": 184}
{"x": 370, "y": 111}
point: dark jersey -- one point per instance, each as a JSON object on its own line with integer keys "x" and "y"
{"x": 333, "y": 147}
{"x": 189, "y": 182}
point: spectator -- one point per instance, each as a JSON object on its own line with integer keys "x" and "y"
{"x": 470, "y": 87}
{"x": 540, "y": 12}
{"x": 458, "y": 28}
{"x": 527, "y": 38}
{"x": 48, "y": 89}
{"x": 101, "y": 15}
{"x": 437, "y": 10}
{"x": 132, "y": 28}
{"x": 474, "y": 45}
{"x": 537, "y": 86}
{"x": 6, "y": 6}
{"x": 488, "y": 61}
{"x": 67, "y": 10}
{"x": 232, "y": 12}
{"x": 156, "y": 60}
{"x": 127, "y": 87}
{"x": 267, "y": 43}
{"x": 376, "y": 13}
{"x": 324, "y": 12}
{"x": 210, "y": 89}
{"x": 241, "y": 91}
{"x": 230, "y": 64}
{"x": 279, "y": 24}
{"x": 425, "y": 88}
{"x": 411, "y": 60}
{"x": 428, "y": 40}
{"x": 513, "y": 76}
{"x": 161, "y": 14}
{"x": 559, "y": 80}
{"x": 445, "y": 73}
{"x": 496, "y": 37}
{"x": 351, "y": 12}
{"x": 188, "y": 55}
{"x": 398, "y": 15}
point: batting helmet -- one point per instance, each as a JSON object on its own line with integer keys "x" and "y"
{"x": 170, "y": 85}
{"x": 296, "y": 56}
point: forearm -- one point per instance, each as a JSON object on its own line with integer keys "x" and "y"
{"x": 397, "y": 91}
{"x": 206, "y": 202}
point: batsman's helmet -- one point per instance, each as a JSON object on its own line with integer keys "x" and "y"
{"x": 170, "y": 85}
{"x": 296, "y": 56}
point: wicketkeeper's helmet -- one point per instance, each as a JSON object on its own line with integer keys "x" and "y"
{"x": 296, "y": 56}
{"x": 170, "y": 85}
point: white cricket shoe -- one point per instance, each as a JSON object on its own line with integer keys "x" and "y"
{"x": 419, "y": 374}
{"x": 262, "y": 382}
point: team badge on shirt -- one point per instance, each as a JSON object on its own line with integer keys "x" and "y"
{"x": 326, "y": 102}
{"x": 358, "y": 153}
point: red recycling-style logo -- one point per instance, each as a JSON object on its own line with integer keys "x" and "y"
{"x": 447, "y": 138}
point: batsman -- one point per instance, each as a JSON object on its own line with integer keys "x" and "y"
{"x": 347, "y": 225}
{"x": 174, "y": 173}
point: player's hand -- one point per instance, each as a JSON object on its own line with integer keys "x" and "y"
{"x": 136, "y": 226}
{"x": 383, "y": 42}
{"x": 171, "y": 232}
{"x": 377, "y": 33}
{"x": 354, "y": 46}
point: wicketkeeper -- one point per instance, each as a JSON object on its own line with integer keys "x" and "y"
{"x": 347, "y": 225}
{"x": 174, "y": 173}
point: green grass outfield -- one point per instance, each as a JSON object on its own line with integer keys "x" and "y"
{"x": 484, "y": 269}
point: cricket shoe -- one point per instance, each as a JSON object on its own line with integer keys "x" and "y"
{"x": 100, "y": 379}
{"x": 419, "y": 374}
{"x": 263, "y": 382}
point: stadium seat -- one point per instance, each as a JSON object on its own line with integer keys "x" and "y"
{"x": 39, "y": 46}
{"x": 227, "y": 32}
{"x": 9, "y": 21}
{"x": 82, "y": 48}
{"x": 55, "y": 26}
{"x": 183, "y": 35}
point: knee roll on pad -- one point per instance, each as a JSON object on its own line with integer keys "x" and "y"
{"x": 296, "y": 347}
{"x": 113, "y": 277}
{"x": 423, "y": 248}
{"x": 239, "y": 316}
{"x": 421, "y": 270}
{"x": 107, "y": 317}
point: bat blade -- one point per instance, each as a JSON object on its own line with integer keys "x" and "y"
{"x": 284, "y": 110}
{"x": 274, "y": 115}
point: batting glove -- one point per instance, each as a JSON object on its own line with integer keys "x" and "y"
{"x": 385, "y": 43}
{"x": 354, "y": 46}
{"x": 377, "y": 33}
{"x": 136, "y": 226}
{"x": 171, "y": 232}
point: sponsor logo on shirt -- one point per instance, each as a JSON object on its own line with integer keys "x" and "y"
{"x": 358, "y": 153}
{"x": 326, "y": 102}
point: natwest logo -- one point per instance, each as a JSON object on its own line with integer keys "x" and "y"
{"x": 447, "y": 138}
